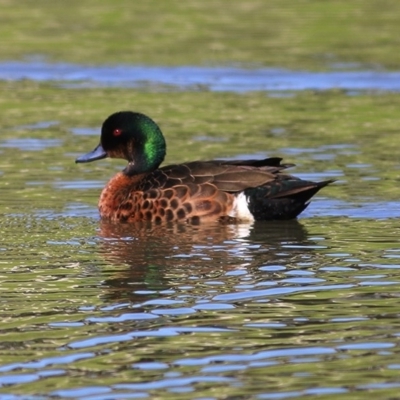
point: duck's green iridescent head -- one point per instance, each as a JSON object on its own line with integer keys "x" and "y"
{"x": 132, "y": 136}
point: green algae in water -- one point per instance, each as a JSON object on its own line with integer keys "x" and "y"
{"x": 303, "y": 34}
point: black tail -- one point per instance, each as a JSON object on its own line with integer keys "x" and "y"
{"x": 282, "y": 200}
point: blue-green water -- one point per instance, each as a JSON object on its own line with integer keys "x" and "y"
{"x": 292, "y": 310}
{"x": 99, "y": 311}
{"x": 94, "y": 310}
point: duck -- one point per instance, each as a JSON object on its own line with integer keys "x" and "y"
{"x": 234, "y": 191}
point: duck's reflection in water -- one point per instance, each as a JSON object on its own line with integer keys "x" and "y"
{"x": 147, "y": 258}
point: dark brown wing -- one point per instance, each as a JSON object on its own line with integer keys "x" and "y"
{"x": 228, "y": 176}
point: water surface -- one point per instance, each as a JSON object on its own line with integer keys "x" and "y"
{"x": 187, "y": 312}
{"x": 294, "y": 309}
{"x": 197, "y": 78}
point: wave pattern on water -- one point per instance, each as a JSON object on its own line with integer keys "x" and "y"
{"x": 181, "y": 310}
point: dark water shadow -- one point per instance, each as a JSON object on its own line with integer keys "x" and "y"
{"x": 150, "y": 257}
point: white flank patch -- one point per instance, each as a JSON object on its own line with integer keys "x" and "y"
{"x": 240, "y": 209}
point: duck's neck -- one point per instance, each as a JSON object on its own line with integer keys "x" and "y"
{"x": 148, "y": 153}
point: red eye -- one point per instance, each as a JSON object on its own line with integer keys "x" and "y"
{"x": 117, "y": 132}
